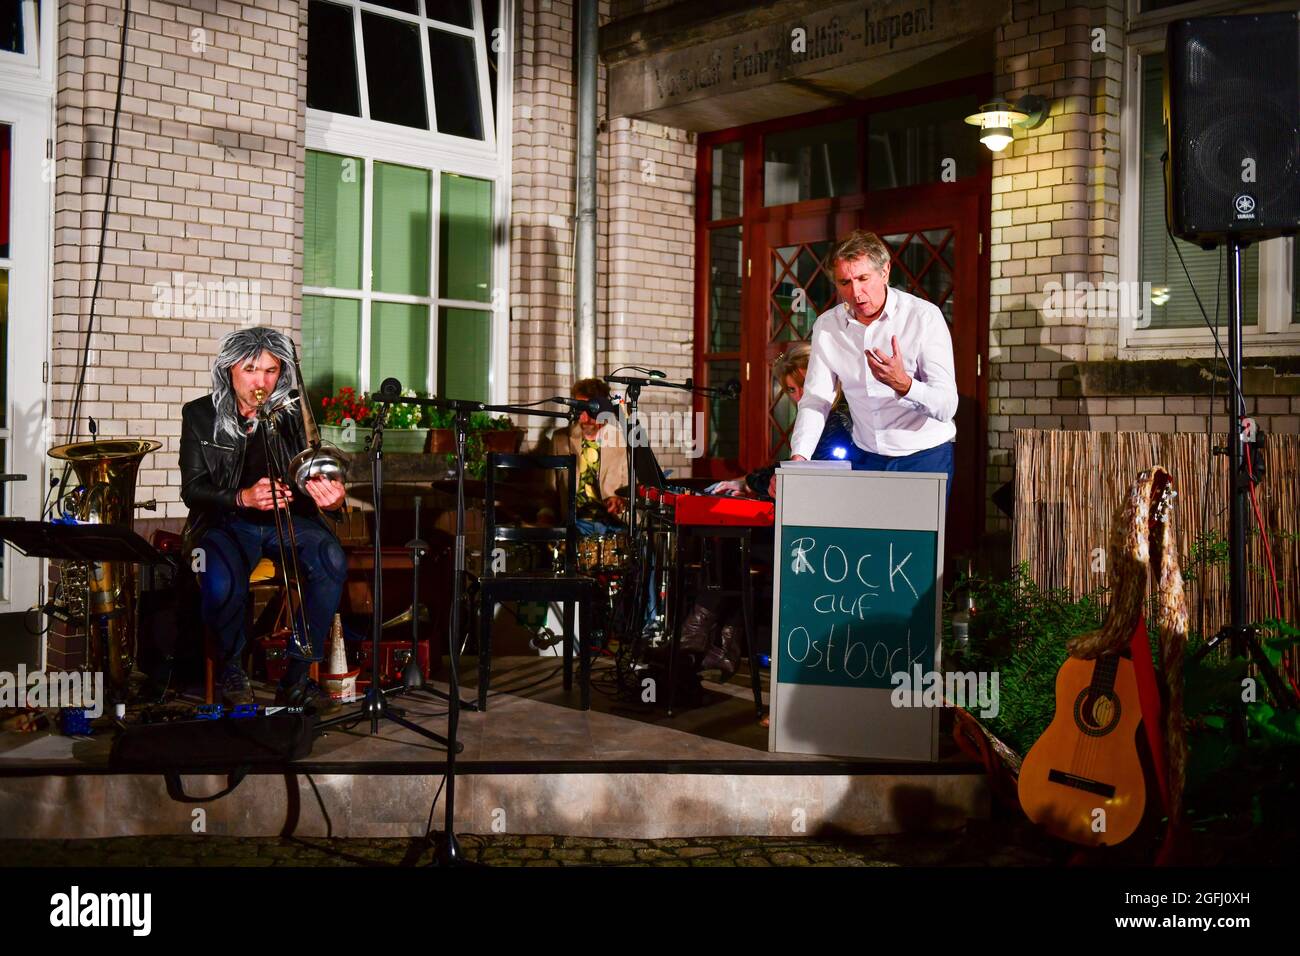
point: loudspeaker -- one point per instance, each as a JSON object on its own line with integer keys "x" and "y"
{"x": 1232, "y": 125}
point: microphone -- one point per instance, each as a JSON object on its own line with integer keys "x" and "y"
{"x": 589, "y": 406}
{"x": 391, "y": 388}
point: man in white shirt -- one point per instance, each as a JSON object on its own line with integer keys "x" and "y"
{"x": 891, "y": 353}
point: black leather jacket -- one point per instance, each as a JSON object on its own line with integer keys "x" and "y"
{"x": 210, "y": 469}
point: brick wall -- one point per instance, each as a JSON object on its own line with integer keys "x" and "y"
{"x": 1055, "y": 212}
{"x": 645, "y": 232}
{"x": 205, "y": 223}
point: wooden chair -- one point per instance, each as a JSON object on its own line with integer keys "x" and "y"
{"x": 568, "y": 587}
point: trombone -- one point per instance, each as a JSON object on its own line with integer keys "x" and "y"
{"x": 311, "y": 462}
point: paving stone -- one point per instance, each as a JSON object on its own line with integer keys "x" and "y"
{"x": 571, "y": 855}
{"x": 543, "y": 842}
{"x": 613, "y": 856}
{"x": 789, "y": 859}
{"x": 753, "y": 861}
{"x": 690, "y": 852}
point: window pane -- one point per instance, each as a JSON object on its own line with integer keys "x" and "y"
{"x": 451, "y": 11}
{"x": 332, "y": 221}
{"x": 811, "y": 163}
{"x": 331, "y": 346}
{"x": 464, "y": 341}
{"x": 6, "y": 167}
{"x": 455, "y": 84}
{"x": 393, "y": 71}
{"x": 400, "y": 243}
{"x": 331, "y": 59}
{"x": 726, "y": 262}
{"x": 399, "y": 344}
{"x": 723, "y": 413}
{"x": 728, "y": 180}
{"x": 11, "y": 26}
{"x": 406, "y": 6}
{"x": 907, "y": 147}
{"x": 1173, "y": 306}
{"x": 495, "y": 41}
{"x": 465, "y": 239}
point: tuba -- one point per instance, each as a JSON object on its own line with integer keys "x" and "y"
{"x": 105, "y": 494}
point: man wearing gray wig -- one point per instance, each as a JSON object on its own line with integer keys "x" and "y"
{"x": 226, "y": 456}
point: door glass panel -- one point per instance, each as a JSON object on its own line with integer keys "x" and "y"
{"x": 400, "y": 240}
{"x": 920, "y": 267}
{"x": 728, "y": 180}
{"x": 908, "y": 147}
{"x": 4, "y": 349}
{"x": 406, "y": 6}
{"x": 726, "y": 262}
{"x": 811, "y": 163}
{"x": 723, "y": 413}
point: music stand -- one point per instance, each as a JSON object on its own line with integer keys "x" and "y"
{"x": 80, "y": 542}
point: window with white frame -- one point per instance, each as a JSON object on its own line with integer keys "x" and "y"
{"x": 404, "y": 196}
{"x": 19, "y": 39}
{"x": 1149, "y": 256}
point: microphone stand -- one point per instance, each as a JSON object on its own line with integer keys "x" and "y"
{"x": 374, "y": 705}
{"x": 632, "y": 429}
{"x": 447, "y": 849}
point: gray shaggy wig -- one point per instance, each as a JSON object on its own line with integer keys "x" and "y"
{"x": 245, "y": 345}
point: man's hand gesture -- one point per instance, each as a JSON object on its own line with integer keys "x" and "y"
{"x": 889, "y": 369}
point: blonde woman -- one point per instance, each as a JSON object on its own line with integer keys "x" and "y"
{"x": 790, "y": 369}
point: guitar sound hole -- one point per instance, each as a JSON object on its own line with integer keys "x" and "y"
{"x": 1096, "y": 713}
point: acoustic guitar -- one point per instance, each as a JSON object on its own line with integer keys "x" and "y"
{"x": 1082, "y": 780}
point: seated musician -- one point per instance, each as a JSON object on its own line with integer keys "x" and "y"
{"x": 601, "y": 466}
{"x": 701, "y": 636}
{"x": 225, "y": 481}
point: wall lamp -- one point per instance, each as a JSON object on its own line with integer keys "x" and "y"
{"x": 997, "y": 119}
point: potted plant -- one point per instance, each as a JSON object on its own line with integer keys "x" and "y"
{"x": 442, "y": 437}
{"x": 346, "y": 420}
{"x": 402, "y": 427}
{"x": 498, "y": 434}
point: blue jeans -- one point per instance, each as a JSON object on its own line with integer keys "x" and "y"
{"x": 937, "y": 459}
{"x": 231, "y": 551}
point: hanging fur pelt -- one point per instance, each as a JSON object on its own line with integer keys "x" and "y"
{"x": 1142, "y": 534}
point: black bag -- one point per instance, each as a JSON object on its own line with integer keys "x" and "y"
{"x": 224, "y": 745}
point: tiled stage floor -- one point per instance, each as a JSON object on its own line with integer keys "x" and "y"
{"x": 533, "y": 763}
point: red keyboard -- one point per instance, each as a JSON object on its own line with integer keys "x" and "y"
{"x": 722, "y": 510}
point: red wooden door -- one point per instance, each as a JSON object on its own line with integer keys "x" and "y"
{"x": 934, "y": 234}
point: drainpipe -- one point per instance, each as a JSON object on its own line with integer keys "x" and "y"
{"x": 585, "y": 246}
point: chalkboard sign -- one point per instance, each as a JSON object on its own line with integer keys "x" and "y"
{"x": 859, "y": 565}
{"x": 857, "y": 605}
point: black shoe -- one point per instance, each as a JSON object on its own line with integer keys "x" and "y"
{"x": 307, "y": 694}
{"x": 235, "y": 688}
{"x": 699, "y": 631}
{"x": 725, "y": 657}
